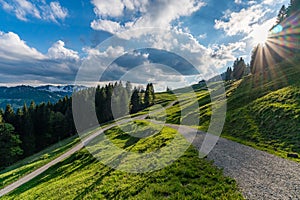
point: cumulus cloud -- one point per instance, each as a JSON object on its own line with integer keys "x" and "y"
{"x": 146, "y": 13}
{"x": 106, "y": 25}
{"x": 13, "y": 48}
{"x": 39, "y": 9}
{"x": 241, "y": 22}
{"x": 108, "y": 8}
{"x": 226, "y": 52}
{"x": 166, "y": 46}
{"x": 58, "y": 51}
{"x": 18, "y": 59}
{"x": 247, "y": 19}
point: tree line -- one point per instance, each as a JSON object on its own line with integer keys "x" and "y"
{"x": 32, "y": 129}
{"x": 237, "y": 71}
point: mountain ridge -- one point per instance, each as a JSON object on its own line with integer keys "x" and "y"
{"x": 17, "y": 96}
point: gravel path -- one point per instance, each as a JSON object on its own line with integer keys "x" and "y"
{"x": 259, "y": 175}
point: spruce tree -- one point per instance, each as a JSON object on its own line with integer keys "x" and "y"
{"x": 9, "y": 114}
{"x": 281, "y": 15}
{"x": 135, "y": 105}
{"x": 239, "y": 67}
{"x": 10, "y": 149}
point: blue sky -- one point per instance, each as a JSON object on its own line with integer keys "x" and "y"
{"x": 45, "y": 41}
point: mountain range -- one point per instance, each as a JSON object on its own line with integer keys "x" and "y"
{"x": 18, "y": 95}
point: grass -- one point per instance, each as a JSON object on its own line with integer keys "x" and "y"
{"x": 21, "y": 168}
{"x": 187, "y": 110}
{"x": 81, "y": 176}
{"x": 27, "y": 165}
{"x": 263, "y": 110}
{"x": 270, "y": 123}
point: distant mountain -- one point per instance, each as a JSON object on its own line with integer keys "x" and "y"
{"x": 17, "y": 96}
{"x": 63, "y": 90}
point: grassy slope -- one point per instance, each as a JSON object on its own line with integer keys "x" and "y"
{"x": 81, "y": 176}
{"x": 263, "y": 111}
{"x": 23, "y": 167}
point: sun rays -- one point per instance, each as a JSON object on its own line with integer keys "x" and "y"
{"x": 280, "y": 43}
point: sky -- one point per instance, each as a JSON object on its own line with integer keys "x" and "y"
{"x": 49, "y": 42}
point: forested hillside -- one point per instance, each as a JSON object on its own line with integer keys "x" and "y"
{"x": 31, "y": 129}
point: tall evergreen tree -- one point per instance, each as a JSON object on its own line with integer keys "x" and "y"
{"x": 281, "y": 15}
{"x": 239, "y": 67}
{"x": 149, "y": 95}
{"x": 293, "y": 7}
{"x": 228, "y": 74}
{"x": 9, "y": 114}
{"x": 27, "y": 134}
{"x": 253, "y": 62}
{"x": 135, "y": 102}
{"x": 10, "y": 149}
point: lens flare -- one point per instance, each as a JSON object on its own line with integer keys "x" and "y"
{"x": 277, "y": 29}
{"x": 282, "y": 43}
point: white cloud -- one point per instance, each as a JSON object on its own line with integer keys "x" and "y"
{"x": 58, "y": 51}
{"x": 117, "y": 8}
{"x": 148, "y": 13}
{"x": 106, "y": 25}
{"x": 274, "y": 2}
{"x": 207, "y": 60}
{"x": 39, "y": 9}
{"x": 21, "y": 8}
{"x": 202, "y": 36}
{"x": 247, "y": 19}
{"x": 241, "y": 22}
{"x": 108, "y": 8}
{"x": 20, "y": 60}
{"x": 238, "y": 1}
{"x": 260, "y": 31}
{"x": 226, "y": 52}
{"x": 12, "y": 47}
{"x": 58, "y": 11}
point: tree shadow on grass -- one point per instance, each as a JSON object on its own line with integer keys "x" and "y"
{"x": 55, "y": 172}
{"x": 115, "y": 163}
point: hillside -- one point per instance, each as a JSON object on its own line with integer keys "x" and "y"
{"x": 262, "y": 109}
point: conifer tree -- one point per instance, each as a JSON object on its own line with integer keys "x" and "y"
{"x": 239, "y": 67}
{"x": 228, "y": 74}
{"x": 281, "y": 15}
{"x": 10, "y": 149}
{"x": 9, "y": 114}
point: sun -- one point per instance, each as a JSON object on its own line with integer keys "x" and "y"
{"x": 260, "y": 35}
